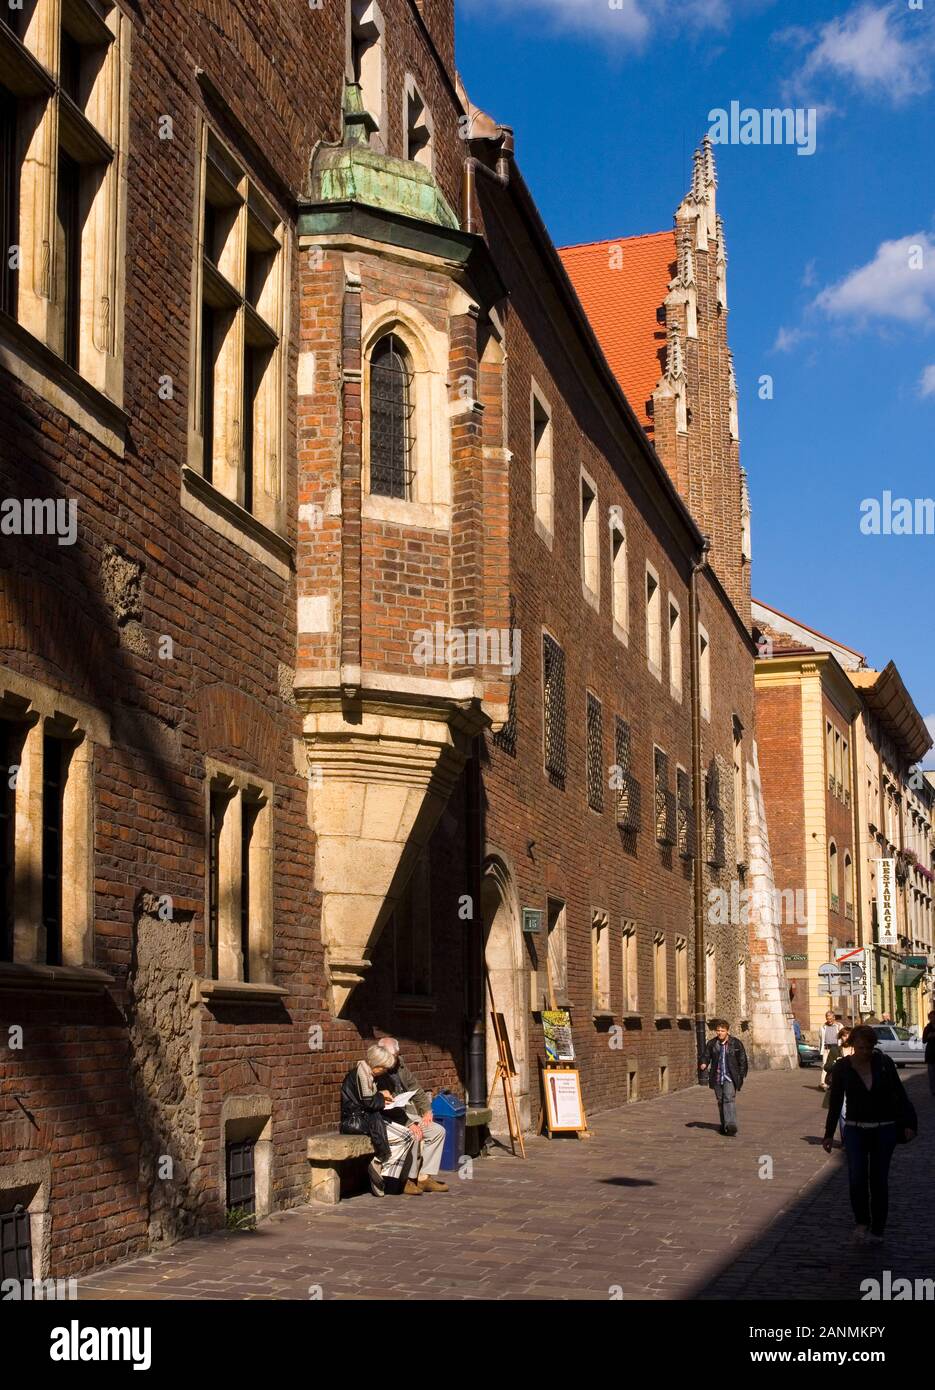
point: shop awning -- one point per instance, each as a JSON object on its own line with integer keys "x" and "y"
{"x": 907, "y": 977}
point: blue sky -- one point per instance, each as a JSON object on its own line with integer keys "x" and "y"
{"x": 831, "y": 256}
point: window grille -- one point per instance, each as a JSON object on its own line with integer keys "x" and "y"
{"x": 714, "y": 819}
{"x": 391, "y": 410}
{"x": 665, "y": 801}
{"x": 553, "y": 659}
{"x": 595, "y": 736}
{"x": 628, "y": 793}
{"x": 241, "y": 1177}
{"x": 15, "y": 1245}
{"x": 685, "y": 814}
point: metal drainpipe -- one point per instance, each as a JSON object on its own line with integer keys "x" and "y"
{"x": 698, "y": 810}
{"x": 473, "y": 166}
{"x": 476, "y": 1034}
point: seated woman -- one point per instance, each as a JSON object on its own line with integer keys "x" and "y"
{"x": 367, "y": 1110}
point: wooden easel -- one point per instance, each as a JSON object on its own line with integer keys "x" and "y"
{"x": 504, "y": 1073}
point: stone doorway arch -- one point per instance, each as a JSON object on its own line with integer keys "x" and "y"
{"x": 508, "y": 973}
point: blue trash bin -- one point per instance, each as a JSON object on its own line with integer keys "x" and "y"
{"x": 449, "y": 1112}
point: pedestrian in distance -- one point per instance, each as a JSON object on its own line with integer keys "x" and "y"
{"x": 827, "y": 1039}
{"x": 725, "y": 1061}
{"x": 879, "y": 1116}
{"x": 928, "y": 1037}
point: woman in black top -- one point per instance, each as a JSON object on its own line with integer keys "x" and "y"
{"x": 879, "y": 1116}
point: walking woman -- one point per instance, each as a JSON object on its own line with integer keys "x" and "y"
{"x": 843, "y": 1048}
{"x": 879, "y": 1116}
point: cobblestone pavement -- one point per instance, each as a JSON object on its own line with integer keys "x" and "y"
{"x": 658, "y": 1205}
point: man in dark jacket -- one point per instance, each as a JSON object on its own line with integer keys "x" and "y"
{"x": 725, "y": 1061}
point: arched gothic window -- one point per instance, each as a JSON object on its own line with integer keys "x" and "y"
{"x": 391, "y": 427}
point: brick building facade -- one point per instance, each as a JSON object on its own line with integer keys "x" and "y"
{"x": 347, "y": 611}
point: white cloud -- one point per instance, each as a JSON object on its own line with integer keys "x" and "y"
{"x": 868, "y": 48}
{"x": 787, "y": 339}
{"x": 927, "y": 388}
{"x": 899, "y": 283}
{"x": 629, "y": 20}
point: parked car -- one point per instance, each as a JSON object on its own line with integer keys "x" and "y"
{"x": 899, "y": 1044}
{"x": 809, "y": 1056}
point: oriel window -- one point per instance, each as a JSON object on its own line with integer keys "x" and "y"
{"x": 391, "y": 419}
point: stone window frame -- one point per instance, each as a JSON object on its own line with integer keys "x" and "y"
{"x": 590, "y": 539}
{"x": 365, "y": 20}
{"x": 542, "y": 464}
{"x": 675, "y": 646}
{"x": 219, "y": 502}
{"x": 28, "y": 1183}
{"x": 833, "y": 872}
{"x": 559, "y": 930}
{"x": 429, "y": 504}
{"x": 660, "y": 974}
{"x": 742, "y": 1000}
{"x": 601, "y": 997}
{"x": 39, "y": 711}
{"x": 683, "y": 1002}
{"x": 94, "y": 131}
{"x": 619, "y": 577}
{"x": 223, "y": 958}
{"x": 249, "y": 1117}
{"x": 653, "y": 621}
{"x": 630, "y": 964}
{"x": 425, "y": 155}
{"x": 704, "y": 671}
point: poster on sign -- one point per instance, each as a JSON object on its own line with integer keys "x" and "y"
{"x": 564, "y": 1106}
{"x": 556, "y": 1030}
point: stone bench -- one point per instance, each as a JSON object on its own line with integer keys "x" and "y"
{"x": 332, "y": 1155}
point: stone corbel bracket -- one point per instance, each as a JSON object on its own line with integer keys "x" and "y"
{"x": 381, "y": 769}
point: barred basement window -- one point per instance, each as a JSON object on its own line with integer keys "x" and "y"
{"x": 595, "y": 742}
{"x": 553, "y": 704}
{"x": 664, "y": 800}
{"x": 714, "y": 819}
{"x": 15, "y": 1245}
{"x": 625, "y": 784}
{"x": 685, "y": 814}
{"x": 391, "y": 409}
{"x": 241, "y": 1176}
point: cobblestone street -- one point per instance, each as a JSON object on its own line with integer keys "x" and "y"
{"x": 657, "y": 1204}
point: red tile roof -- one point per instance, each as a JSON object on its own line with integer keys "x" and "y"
{"x": 622, "y": 298}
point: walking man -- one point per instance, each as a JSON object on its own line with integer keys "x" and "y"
{"x": 725, "y": 1061}
{"x": 827, "y": 1039}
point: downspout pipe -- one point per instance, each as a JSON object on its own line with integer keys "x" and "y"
{"x": 701, "y": 1003}
{"x": 473, "y": 166}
